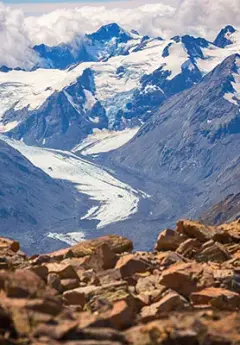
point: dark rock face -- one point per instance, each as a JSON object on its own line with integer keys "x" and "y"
{"x": 224, "y": 37}
{"x": 62, "y": 116}
{"x": 225, "y": 211}
{"x": 31, "y": 203}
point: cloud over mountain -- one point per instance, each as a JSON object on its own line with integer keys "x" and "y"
{"x": 198, "y": 17}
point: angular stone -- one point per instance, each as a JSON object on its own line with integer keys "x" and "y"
{"x": 6, "y": 243}
{"x": 169, "y": 240}
{"x": 65, "y": 271}
{"x": 171, "y": 301}
{"x": 220, "y": 298}
{"x": 103, "y": 258}
{"x": 212, "y": 251}
{"x": 121, "y": 316}
{"x": 131, "y": 264}
{"x": 69, "y": 284}
{"x": 117, "y": 244}
{"x": 189, "y": 248}
{"x": 187, "y": 278}
{"x": 196, "y": 230}
{"x": 24, "y": 283}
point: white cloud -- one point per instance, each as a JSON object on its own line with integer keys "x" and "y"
{"x": 198, "y": 17}
{"x": 14, "y": 39}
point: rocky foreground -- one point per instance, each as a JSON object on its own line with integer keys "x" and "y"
{"x": 99, "y": 292}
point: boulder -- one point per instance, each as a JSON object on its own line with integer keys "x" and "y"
{"x": 212, "y": 251}
{"x": 103, "y": 258}
{"x": 169, "y": 240}
{"x": 116, "y": 243}
{"x": 63, "y": 270}
{"x": 187, "y": 278}
{"x": 130, "y": 264}
{"x": 220, "y": 298}
{"x": 24, "y": 283}
{"x": 6, "y": 243}
{"x": 196, "y": 230}
{"x": 171, "y": 301}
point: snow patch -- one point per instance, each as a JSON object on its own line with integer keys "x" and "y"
{"x": 70, "y": 238}
{"x": 105, "y": 141}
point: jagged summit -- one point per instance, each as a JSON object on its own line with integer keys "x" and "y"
{"x": 223, "y": 39}
{"x": 109, "y": 31}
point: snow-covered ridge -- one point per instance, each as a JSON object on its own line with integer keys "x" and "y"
{"x": 113, "y": 94}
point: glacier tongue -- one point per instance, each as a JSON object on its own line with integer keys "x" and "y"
{"x": 115, "y": 201}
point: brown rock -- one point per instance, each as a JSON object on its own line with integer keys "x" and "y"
{"x": 131, "y": 264}
{"x": 117, "y": 244}
{"x": 220, "y": 298}
{"x": 212, "y": 251}
{"x": 65, "y": 271}
{"x": 56, "y": 330}
{"x": 189, "y": 248}
{"x": 103, "y": 258}
{"x": 75, "y": 297}
{"x": 6, "y": 243}
{"x": 121, "y": 316}
{"x": 196, "y": 230}
{"x": 187, "y": 278}
{"x": 169, "y": 240}
{"x": 24, "y": 283}
{"x": 54, "y": 282}
{"x": 69, "y": 284}
{"x": 41, "y": 271}
{"x": 171, "y": 301}
{"x": 109, "y": 276}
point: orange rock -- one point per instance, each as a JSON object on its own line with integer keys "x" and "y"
{"x": 224, "y": 299}
{"x": 187, "y": 278}
{"x": 102, "y": 259}
{"x": 65, "y": 271}
{"x": 121, "y": 316}
{"x": 117, "y": 244}
{"x": 131, "y": 264}
{"x": 196, "y": 230}
{"x": 6, "y": 243}
{"x": 169, "y": 240}
{"x": 171, "y": 301}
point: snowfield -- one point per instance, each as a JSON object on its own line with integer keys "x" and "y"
{"x": 115, "y": 201}
{"x": 105, "y": 141}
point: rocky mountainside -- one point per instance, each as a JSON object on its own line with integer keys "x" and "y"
{"x": 122, "y": 86}
{"x": 32, "y": 203}
{"x": 193, "y": 139}
{"x": 225, "y": 211}
{"x": 99, "y": 292}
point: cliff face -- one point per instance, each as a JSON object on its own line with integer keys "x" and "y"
{"x": 100, "y": 292}
{"x": 225, "y": 211}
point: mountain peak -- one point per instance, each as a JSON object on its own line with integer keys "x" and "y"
{"x": 107, "y": 32}
{"x": 223, "y": 39}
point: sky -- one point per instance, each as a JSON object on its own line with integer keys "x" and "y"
{"x": 23, "y": 25}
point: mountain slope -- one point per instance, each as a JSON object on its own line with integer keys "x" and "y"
{"x": 60, "y": 108}
{"x": 193, "y": 139}
{"x": 225, "y": 211}
{"x": 31, "y": 202}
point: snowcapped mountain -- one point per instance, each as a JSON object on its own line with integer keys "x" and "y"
{"x": 60, "y": 108}
{"x": 110, "y": 40}
{"x": 168, "y": 109}
{"x": 194, "y": 138}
